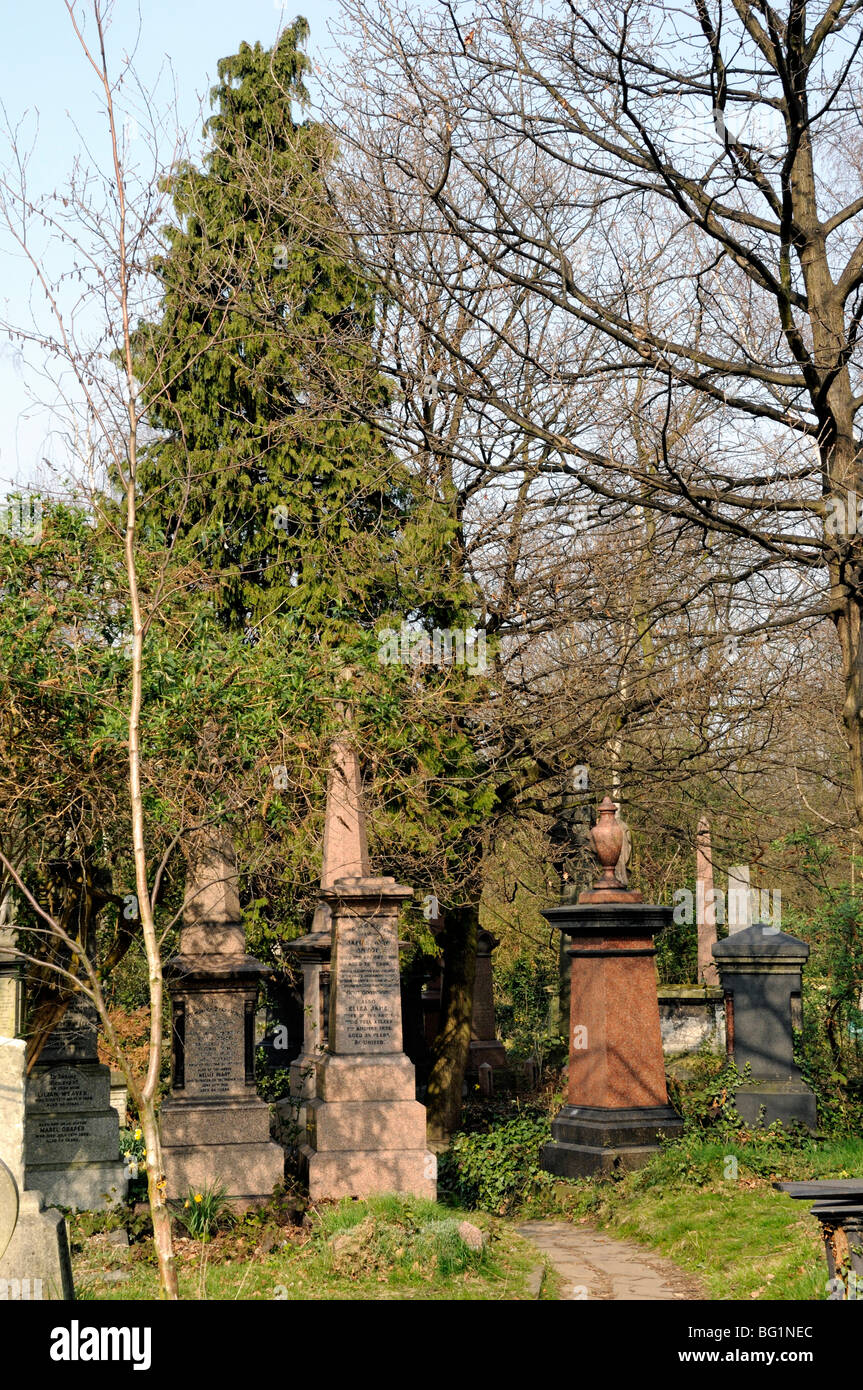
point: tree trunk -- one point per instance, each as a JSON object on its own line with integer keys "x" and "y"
{"x": 159, "y": 1210}
{"x": 450, "y": 1049}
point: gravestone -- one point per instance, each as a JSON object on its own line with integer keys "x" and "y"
{"x": 366, "y": 1132}
{"x": 72, "y": 1137}
{"x": 34, "y": 1249}
{"x": 761, "y": 972}
{"x": 215, "y": 1128}
{"x": 617, "y": 1106}
{"x": 485, "y": 1046}
{"x": 705, "y": 905}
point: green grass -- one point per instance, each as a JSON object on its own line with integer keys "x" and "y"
{"x": 386, "y": 1248}
{"x": 741, "y": 1238}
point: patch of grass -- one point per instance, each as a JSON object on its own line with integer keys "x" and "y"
{"x": 738, "y": 1235}
{"x": 386, "y": 1248}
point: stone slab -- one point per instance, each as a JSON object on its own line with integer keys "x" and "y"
{"x": 366, "y": 1078}
{"x": 215, "y": 1044}
{"x": 242, "y": 1122}
{"x": 245, "y": 1170}
{"x": 367, "y": 990}
{"x": 789, "y": 1102}
{"x": 65, "y": 1086}
{"x": 81, "y": 1186}
{"x": 75, "y": 1037}
{"x": 76, "y": 1136}
{"x": 36, "y": 1264}
{"x": 366, "y": 1125}
{"x": 359, "y": 1173}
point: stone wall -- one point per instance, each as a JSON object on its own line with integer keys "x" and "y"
{"x": 690, "y": 1017}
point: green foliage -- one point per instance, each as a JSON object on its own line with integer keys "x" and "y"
{"x": 259, "y": 373}
{"x": 497, "y": 1171}
{"x": 202, "y": 1212}
{"x": 525, "y": 989}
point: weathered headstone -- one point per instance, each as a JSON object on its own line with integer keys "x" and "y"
{"x": 617, "y": 1106}
{"x": 366, "y": 1130}
{"x": 72, "y": 1142}
{"x": 485, "y": 1046}
{"x": 34, "y": 1250}
{"x": 739, "y": 915}
{"x": 215, "y": 1128}
{"x": 761, "y": 972}
{"x": 705, "y": 904}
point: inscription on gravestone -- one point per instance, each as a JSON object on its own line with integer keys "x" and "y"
{"x": 59, "y": 1089}
{"x": 214, "y": 1047}
{"x": 368, "y": 1011}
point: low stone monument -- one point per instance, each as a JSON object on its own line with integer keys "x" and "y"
{"x": 838, "y": 1207}
{"x": 34, "y": 1249}
{"x": 366, "y": 1132}
{"x": 485, "y": 1046}
{"x": 72, "y": 1137}
{"x": 761, "y": 972}
{"x": 617, "y": 1106}
{"x": 215, "y": 1128}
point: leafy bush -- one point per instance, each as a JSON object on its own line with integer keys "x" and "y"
{"x": 499, "y": 1170}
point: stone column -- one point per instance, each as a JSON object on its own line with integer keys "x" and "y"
{"x": 484, "y": 1044}
{"x": 761, "y": 972}
{"x": 10, "y": 973}
{"x": 366, "y": 1130}
{"x": 705, "y": 905}
{"x": 617, "y": 1106}
{"x": 215, "y": 1128}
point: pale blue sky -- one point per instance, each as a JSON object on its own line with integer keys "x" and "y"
{"x": 43, "y": 70}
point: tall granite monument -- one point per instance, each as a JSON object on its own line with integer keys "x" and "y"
{"x": 617, "y": 1106}
{"x": 215, "y": 1128}
{"x": 366, "y": 1132}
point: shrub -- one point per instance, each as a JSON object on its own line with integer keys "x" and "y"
{"x": 499, "y": 1170}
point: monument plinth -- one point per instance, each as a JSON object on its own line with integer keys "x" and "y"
{"x": 215, "y": 1128}
{"x": 617, "y": 1106}
{"x": 485, "y": 1046}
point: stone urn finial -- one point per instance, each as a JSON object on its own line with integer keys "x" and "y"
{"x": 607, "y": 840}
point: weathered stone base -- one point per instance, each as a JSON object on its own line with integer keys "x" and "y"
{"x": 787, "y": 1101}
{"x": 227, "y": 1142}
{"x": 36, "y": 1263}
{"x": 358, "y": 1173}
{"x": 492, "y": 1052}
{"x": 366, "y": 1131}
{"x": 79, "y": 1186}
{"x": 588, "y": 1140}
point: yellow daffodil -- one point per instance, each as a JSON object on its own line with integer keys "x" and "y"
{"x": 198, "y": 1197}
{"x": 137, "y": 1134}
{"x": 187, "y": 1203}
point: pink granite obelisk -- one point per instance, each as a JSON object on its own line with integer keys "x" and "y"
{"x": 705, "y": 905}
{"x": 366, "y": 1131}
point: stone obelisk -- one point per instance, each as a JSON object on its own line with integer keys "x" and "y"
{"x": 215, "y": 1128}
{"x": 345, "y": 855}
{"x": 366, "y": 1131}
{"x": 705, "y": 905}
